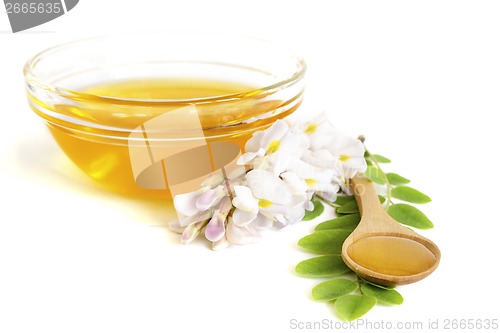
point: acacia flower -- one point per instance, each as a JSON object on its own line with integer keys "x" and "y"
{"x": 206, "y": 208}
{"x": 288, "y": 166}
{"x": 267, "y": 201}
{"x": 350, "y": 152}
{"x": 275, "y": 148}
{"x": 319, "y": 130}
{"x": 333, "y": 150}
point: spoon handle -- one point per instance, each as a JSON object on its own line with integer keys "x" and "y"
{"x": 366, "y": 196}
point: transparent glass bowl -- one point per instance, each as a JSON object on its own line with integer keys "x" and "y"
{"x": 144, "y": 146}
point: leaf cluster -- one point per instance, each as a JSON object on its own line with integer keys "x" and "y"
{"x": 351, "y": 296}
{"x": 397, "y": 188}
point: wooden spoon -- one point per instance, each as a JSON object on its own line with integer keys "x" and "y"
{"x": 380, "y": 249}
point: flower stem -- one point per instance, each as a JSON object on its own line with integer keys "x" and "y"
{"x": 384, "y": 176}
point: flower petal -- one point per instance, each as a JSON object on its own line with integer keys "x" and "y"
{"x": 295, "y": 214}
{"x": 274, "y": 209}
{"x": 308, "y": 205}
{"x": 245, "y": 200}
{"x": 213, "y": 180}
{"x": 175, "y": 226}
{"x": 307, "y": 171}
{"x": 242, "y": 218}
{"x": 240, "y": 235}
{"x": 321, "y": 158}
{"x": 292, "y": 147}
{"x": 215, "y": 228}
{"x": 265, "y": 186}
{"x": 210, "y": 198}
{"x": 280, "y": 222}
{"x": 237, "y": 173}
{"x": 299, "y": 198}
{"x": 292, "y": 179}
{"x": 325, "y": 187}
{"x": 248, "y": 157}
{"x": 262, "y": 163}
{"x": 320, "y": 131}
{"x": 201, "y": 216}
{"x": 225, "y": 205}
{"x": 348, "y": 173}
{"x": 220, "y": 244}
{"x": 327, "y": 196}
{"x": 349, "y": 151}
{"x": 185, "y": 204}
{"x": 192, "y": 231}
{"x": 184, "y": 221}
{"x": 272, "y": 135}
{"x": 253, "y": 144}
{"x": 262, "y": 222}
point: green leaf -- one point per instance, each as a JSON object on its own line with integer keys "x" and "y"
{"x": 380, "y": 159}
{"x": 343, "y": 199}
{"x": 332, "y": 289}
{"x": 317, "y": 210}
{"x": 409, "y": 194}
{"x": 375, "y": 174}
{"x": 348, "y": 208}
{"x": 346, "y": 222}
{"x": 368, "y": 162}
{"x": 352, "y": 307}
{"x": 395, "y": 179}
{"x": 323, "y": 266}
{"x": 382, "y": 295}
{"x": 325, "y": 241}
{"x": 409, "y": 215}
{"x": 377, "y": 285}
{"x": 352, "y": 207}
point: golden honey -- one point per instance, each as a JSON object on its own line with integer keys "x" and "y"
{"x": 391, "y": 255}
{"x": 103, "y": 117}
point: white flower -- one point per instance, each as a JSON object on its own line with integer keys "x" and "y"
{"x": 206, "y": 208}
{"x": 319, "y": 130}
{"x": 350, "y": 152}
{"x": 331, "y": 149}
{"x": 275, "y": 148}
{"x": 241, "y": 235}
{"x": 288, "y": 166}
{"x": 325, "y": 138}
{"x": 315, "y": 178}
{"x": 265, "y": 202}
{"x": 215, "y": 229}
{"x": 189, "y": 204}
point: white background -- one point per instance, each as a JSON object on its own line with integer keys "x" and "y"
{"x": 420, "y": 79}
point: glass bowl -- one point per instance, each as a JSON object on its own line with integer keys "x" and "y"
{"x": 137, "y": 112}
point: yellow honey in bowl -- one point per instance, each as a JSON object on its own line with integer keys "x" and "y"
{"x": 165, "y": 89}
{"x": 102, "y": 118}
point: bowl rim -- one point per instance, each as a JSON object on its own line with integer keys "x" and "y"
{"x": 32, "y": 78}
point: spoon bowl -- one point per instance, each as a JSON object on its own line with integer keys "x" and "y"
{"x": 380, "y": 249}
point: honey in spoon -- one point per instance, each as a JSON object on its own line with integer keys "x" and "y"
{"x": 382, "y": 250}
{"x": 391, "y": 255}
